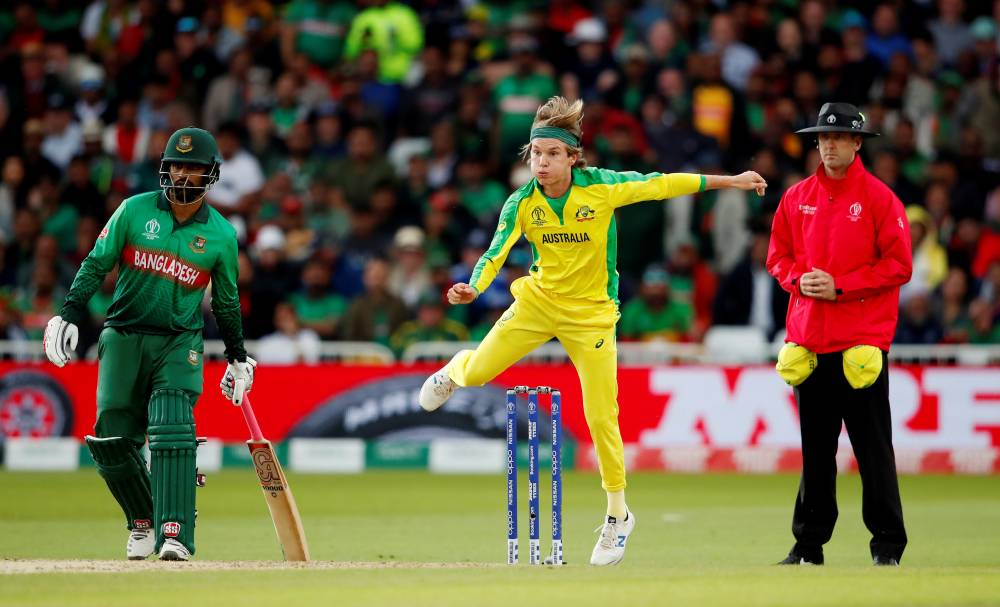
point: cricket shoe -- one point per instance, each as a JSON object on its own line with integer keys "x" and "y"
{"x": 437, "y": 389}
{"x": 172, "y": 550}
{"x": 798, "y": 559}
{"x": 141, "y": 544}
{"x": 610, "y": 548}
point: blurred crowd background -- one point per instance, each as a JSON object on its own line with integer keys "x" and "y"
{"x": 368, "y": 147}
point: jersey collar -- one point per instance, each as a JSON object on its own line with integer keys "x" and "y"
{"x": 201, "y": 215}
{"x": 854, "y": 173}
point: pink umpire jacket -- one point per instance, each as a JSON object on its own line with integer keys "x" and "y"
{"x": 856, "y": 230}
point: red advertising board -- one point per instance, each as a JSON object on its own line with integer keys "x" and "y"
{"x": 660, "y": 407}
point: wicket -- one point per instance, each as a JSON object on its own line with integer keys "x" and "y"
{"x": 534, "y": 547}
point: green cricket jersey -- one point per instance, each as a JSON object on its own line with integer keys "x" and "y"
{"x": 164, "y": 269}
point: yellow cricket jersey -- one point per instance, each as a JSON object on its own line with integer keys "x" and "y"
{"x": 574, "y": 239}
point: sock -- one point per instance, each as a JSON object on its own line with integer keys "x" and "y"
{"x": 616, "y": 504}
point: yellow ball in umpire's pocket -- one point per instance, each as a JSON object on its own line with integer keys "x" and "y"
{"x": 795, "y": 363}
{"x": 862, "y": 366}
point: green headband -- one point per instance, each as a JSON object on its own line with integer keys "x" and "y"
{"x": 554, "y": 132}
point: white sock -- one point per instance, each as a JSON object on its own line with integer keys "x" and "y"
{"x": 616, "y": 504}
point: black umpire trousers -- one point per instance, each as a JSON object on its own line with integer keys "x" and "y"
{"x": 825, "y": 399}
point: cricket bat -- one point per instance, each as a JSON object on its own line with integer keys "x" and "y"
{"x": 277, "y": 493}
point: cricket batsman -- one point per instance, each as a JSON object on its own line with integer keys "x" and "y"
{"x": 567, "y": 213}
{"x": 169, "y": 246}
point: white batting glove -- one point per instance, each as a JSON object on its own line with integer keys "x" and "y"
{"x": 60, "y": 340}
{"x": 238, "y": 380}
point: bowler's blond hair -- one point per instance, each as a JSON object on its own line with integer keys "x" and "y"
{"x": 559, "y": 112}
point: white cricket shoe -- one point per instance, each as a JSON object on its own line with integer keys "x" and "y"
{"x": 141, "y": 544}
{"x": 172, "y": 550}
{"x": 437, "y": 389}
{"x": 610, "y": 548}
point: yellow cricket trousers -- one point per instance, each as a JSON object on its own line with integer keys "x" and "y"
{"x": 587, "y": 331}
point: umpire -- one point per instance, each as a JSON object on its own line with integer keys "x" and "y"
{"x": 840, "y": 245}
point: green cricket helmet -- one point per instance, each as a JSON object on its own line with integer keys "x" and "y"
{"x": 194, "y": 146}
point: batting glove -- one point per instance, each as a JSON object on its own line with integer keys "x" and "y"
{"x": 238, "y": 380}
{"x": 60, "y": 340}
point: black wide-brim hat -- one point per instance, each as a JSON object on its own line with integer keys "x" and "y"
{"x": 839, "y": 118}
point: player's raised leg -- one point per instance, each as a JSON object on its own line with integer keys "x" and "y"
{"x": 524, "y": 326}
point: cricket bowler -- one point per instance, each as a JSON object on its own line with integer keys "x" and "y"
{"x": 567, "y": 213}
{"x": 169, "y": 246}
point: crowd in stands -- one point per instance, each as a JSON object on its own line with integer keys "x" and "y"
{"x": 368, "y": 147}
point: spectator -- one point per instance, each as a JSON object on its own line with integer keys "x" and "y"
{"x": 125, "y": 139}
{"x": 11, "y": 329}
{"x": 436, "y": 95}
{"x": 318, "y": 308}
{"x": 930, "y": 260}
{"x": 290, "y": 343}
{"x": 317, "y": 29}
{"x": 58, "y": 219}
{"x": 64, "y": 136}
{"x": 20, "y": 249}
{"x": 39, "y": 300}
{"x": 393, "y": 31}
{"x": 410, "y": 277}
{"x": 519, "y": 94}
{"x": 262, "y": 140}
{"x": 273, "y": 279}
{"x": 887, "y": 39}
{"x": 327, "y": 129}
{"x": 859, "y": 61}
{"x": 667, "y": 49}
{"x": 80, "y": 192}
{"x": 982, "y": 327}
{"x": 230, "y": 92}
{"x": 953, "y": 306}
{"x": 377, "y": 313}
{"x": 692, "y": 283}
{"x": 288, "y": 108}
{"x": 481, "y": 195}
{"x": 239, "y": 175}
{"x": 195, "y": 60}
{"x": 738, "y": 59}
{"x": 100, "y": 165}
{"x": 749, "y": 295}
{"x": 13, "y": 194}
{"x": 654, "y": 314}
{"x": 443, "y": 157}
{"x": 917, "y": 324}
{"x": 357, "y": 174}
{"x": 431, "y": 325}
{"x": 950, "y": 31}
{"x": 301, "y": 166}
{"x": 92, "y": 106}
{"x": 593, "y": 67}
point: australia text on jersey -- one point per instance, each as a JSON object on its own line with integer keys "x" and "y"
{"x": 572, "y": 237}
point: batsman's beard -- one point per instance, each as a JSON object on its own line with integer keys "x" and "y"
{"x": 183, "y": 192}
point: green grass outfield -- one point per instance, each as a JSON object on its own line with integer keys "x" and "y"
{"x": 700, "y": 540}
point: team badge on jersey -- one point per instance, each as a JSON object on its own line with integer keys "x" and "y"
{"x": 184, "y": 144}
{"x": 198, "y": 244}
{"x": 585, "y": 213}
{"x": 152, "y": 229}
{"x": 538, "y": 216}
{"x": 193, "y": 358}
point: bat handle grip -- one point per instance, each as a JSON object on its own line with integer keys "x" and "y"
{"x": 251, "y": 419}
